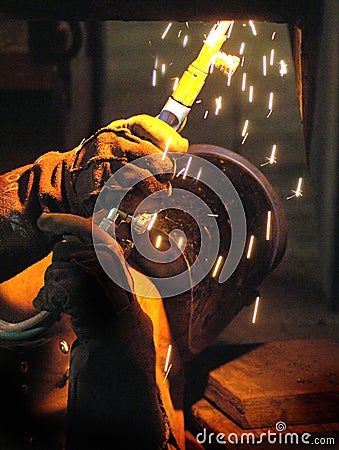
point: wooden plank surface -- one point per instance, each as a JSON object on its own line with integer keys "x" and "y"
{"x": 293, "y": 381}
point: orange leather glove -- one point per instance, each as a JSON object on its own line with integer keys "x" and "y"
{"x": 70, "y": 182}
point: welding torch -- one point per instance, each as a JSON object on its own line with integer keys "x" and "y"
{"x": 179, "y": 103}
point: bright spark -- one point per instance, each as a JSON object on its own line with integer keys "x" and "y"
{"x": 158, "y": 241}
{"x": 206, "y": 114}
{"x": 229, "y": 32}
{"x": 180, "y": 172}
{"x": 242, "y": 62}
{"x": 229, "y": 77}
{"x": 242, "y": 48}
{"x": 168, "y": 357}
{"x": 217, "y": 266}
{"x": 213, "y": 215}
{"x": 199, "y": 173}
{"x": 244, "y": 139}
{"x": 151, "y": 222}
{"x": 175, "y": 83}
{"x": 163, "y": 69}
{"x": 250, "y": 247}
{"x": 166, "y": 30}
{"x": 271, "y": 159}
{"x": 272, "y": 57}
{"x": 251, "y": 24}
{"x": 268, "y": 225}
{"x": 187, "y": 166}
{"x": 255, "y": 309}
{"x": 187, "y": 24}
{"x": 166, "y": 375}
{"x": 243, "y": 84}
{"x": 264, "y": 66}
{"x": 250, "y": 94}
{"x": 168, "y": 144}
{"x": 217, "y": 105}
{"x": 156, "y": 63}
{"x": 273, "y": 35}
{"x": 77, "y": 149}
{"x": 154, "y": 77}
{"x": 244, "y": 130}
{"x": 184, "y": 42}
{"x": 298, "y": 191}
{"x": 270, "y": 101}
{"x": 180, "y": 242}
{"x": 179, "y": 34}
{"x": 283, "y": 68}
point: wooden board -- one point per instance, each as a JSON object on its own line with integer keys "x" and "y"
{"x": 214, "y": 430}
{"x": 296, "y": 382}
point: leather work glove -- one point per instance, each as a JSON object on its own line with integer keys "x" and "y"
{"x": 113, "y": 397}
{"x": 70, "y": 182}
{"x": 75, "y": 283}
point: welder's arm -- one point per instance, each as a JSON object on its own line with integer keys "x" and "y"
{"x": 69, "y": 182}
{"x": 113, "y": 395}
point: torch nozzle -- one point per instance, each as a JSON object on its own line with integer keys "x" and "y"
{"x": 115, "y": 216}
{"x": 193, "y": 79}
{"x": 227, "y": 64}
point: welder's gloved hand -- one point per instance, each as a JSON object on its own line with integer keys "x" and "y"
{"x": 117, "y": 145}
{"x": 70, "y": 182}
{"x": 113, "y": 396}
{"x": 75, "y": 282}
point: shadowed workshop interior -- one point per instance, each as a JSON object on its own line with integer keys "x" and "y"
{"x": 122, "y": 68}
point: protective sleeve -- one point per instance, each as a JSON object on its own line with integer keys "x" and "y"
{"x": 25, "y": 193}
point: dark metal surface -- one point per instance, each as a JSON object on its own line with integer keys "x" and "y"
{"x": 211, "y": 306}
{"x": 256, "y": 192}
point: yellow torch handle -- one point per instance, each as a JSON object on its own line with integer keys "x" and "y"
{"x": 193, "y": 79}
